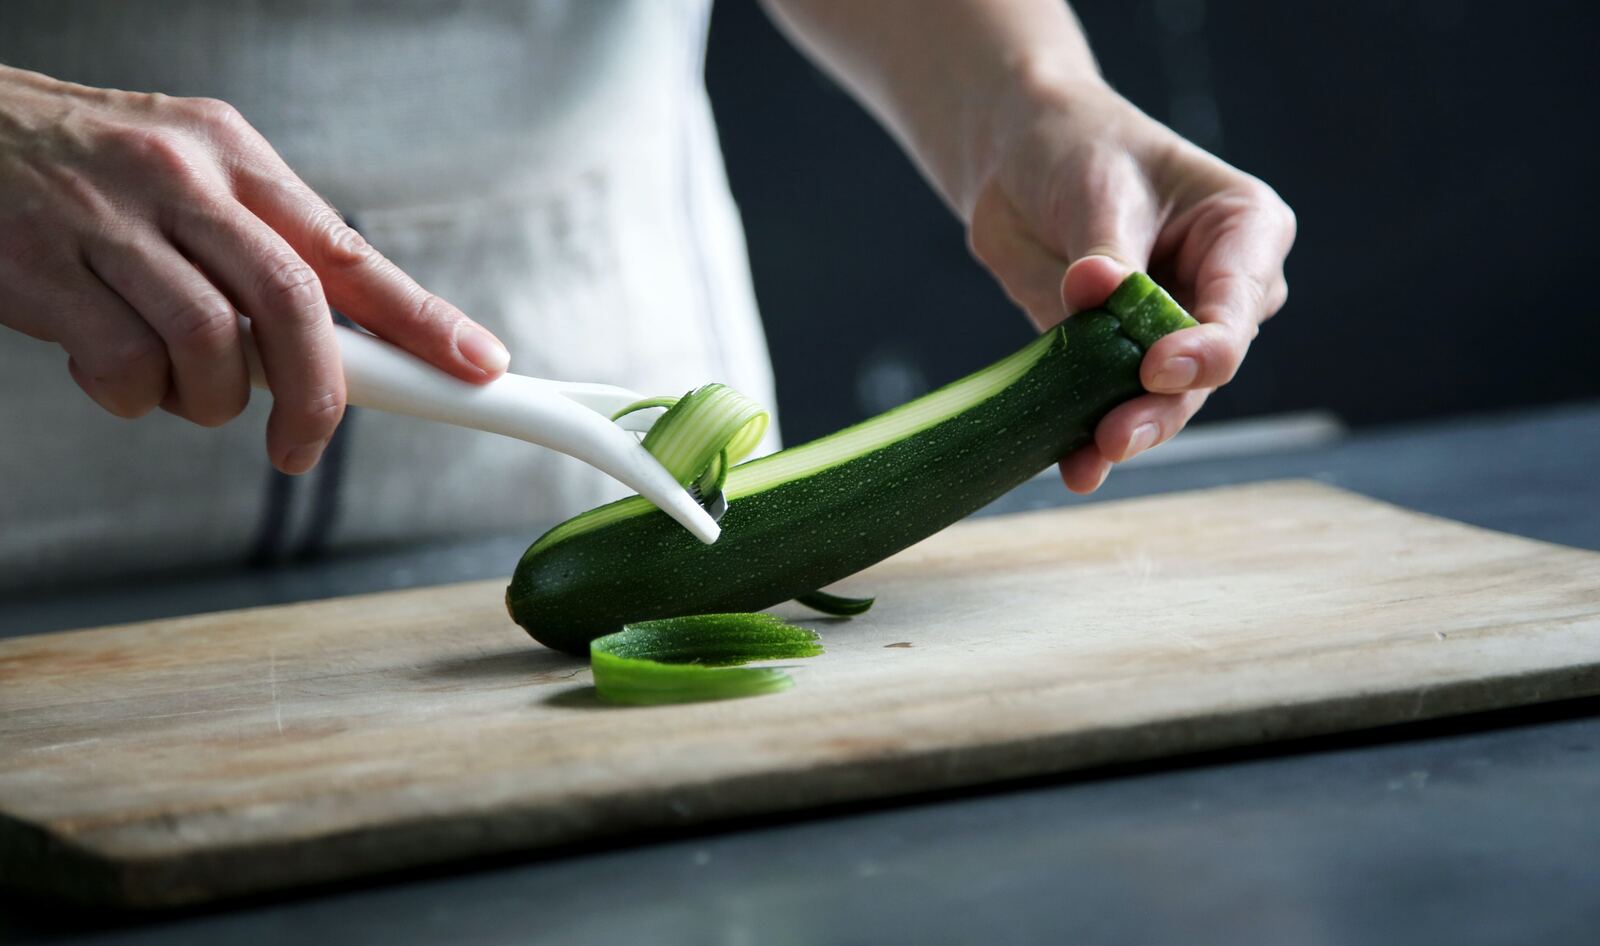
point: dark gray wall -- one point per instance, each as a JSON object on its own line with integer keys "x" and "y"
{"x": 1440, "y": 155}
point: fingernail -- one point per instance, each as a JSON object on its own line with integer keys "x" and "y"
{"x": 482, "y": 349}
{"x": 1144, "y": 437}
{"x": 303, "y": 457}
{"x": 1178, "y": 373}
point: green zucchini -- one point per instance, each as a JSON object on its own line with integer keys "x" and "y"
{"x": 808, "y": 516}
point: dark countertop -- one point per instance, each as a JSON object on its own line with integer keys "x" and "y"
{"x": 1476, "y": 830}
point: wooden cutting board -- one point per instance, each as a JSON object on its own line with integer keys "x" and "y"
{"x": 181, "y": 760}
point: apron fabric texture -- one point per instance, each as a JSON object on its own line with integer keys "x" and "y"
{"x": 549, "y": 167}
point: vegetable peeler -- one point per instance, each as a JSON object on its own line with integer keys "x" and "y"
{"x": 571, "y": 417}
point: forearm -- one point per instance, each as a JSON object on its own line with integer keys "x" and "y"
{"x": 945, "y": 76}
{"x": 1064, "y": 185}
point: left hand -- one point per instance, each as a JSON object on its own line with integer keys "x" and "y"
{"x": 1082, "y": 188}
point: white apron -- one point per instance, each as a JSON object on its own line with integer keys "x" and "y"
{"x": 550, "y": 167}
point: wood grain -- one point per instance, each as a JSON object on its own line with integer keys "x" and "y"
{"x": 183, "y": 760}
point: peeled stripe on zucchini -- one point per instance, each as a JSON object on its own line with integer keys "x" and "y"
{"x": 806, "y": 517}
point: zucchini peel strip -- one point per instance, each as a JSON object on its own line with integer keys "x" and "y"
{"x": 695, "y": 658}
{"x": 702, "y": 434}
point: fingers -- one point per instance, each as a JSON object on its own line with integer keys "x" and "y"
{"x": 1085, "y": 469}
{"x": 289, "y": 317}
{"x": 1126, "y": 432}
{"x": 1238, "y": 277}
{"x": 112, "y": 355}
{"x": 196, "y": 323}
{"x": 1103, "y": 221}
{"x": 1234, "y": 247}
{"x": 1118, "y": 229}
{"x": 1206, "y": 356}
{"x": 1144, "y": 422}
{"x": 364, "y": 285}
{"x": 1029, "y": 274}
{"x": 1107, "y": 227}
{"x": 148, "y": 320}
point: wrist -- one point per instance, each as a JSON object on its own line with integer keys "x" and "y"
{"x": 1037, "y": 91}
{"x": 1050, "y": 79}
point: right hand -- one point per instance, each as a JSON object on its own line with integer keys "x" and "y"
{"x": 132, "y": 226}
{"x": 1086, "y": 188}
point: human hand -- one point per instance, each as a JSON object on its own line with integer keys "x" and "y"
{"x": 1083, "y": 188}
{"x": 132, "y": 226}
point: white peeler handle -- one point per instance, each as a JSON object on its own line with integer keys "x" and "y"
{"x": 559, "y": 415}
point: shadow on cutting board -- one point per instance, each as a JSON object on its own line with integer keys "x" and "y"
{"x": 520, "y": 665}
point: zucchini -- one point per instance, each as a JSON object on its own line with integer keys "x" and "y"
{"x": 810, "y": 515}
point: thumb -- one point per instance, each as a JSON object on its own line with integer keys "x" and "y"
{"x": 1109, "y": 238}
{"x": 1091, "y": 279}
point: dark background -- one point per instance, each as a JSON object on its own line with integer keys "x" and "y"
{"x": 1440, "y": 155}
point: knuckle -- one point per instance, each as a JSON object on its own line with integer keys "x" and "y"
{"x": 1287, "y": 217}
{"x": 1224, "y": 369}
{"x": 1261, "y": 197}
{"x": 1247, "y": 287}
{"x": 1279, "y": 297}
{"x": 136, "y": 357}
{"x": 1223, "y": 356}
{"x": 321, "y": 409}
{"x": 1275, "y": 206}
{"x": 291, "y": 288}
{"x": 132, "y": 374}
{"x": 204, "y": 324}
{"x": 343, "y": 239}
{"x": 1233, "y": 212}
{"x": 1260, "y": 193}
{"x": 339, "y": 243}
{"x": 1230, "y": 367}
{"x": 161, "y": 147}
{"x": 214, "y": 114}
{"x": 429, "y": 310}
{"x": 166, "y": 152}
